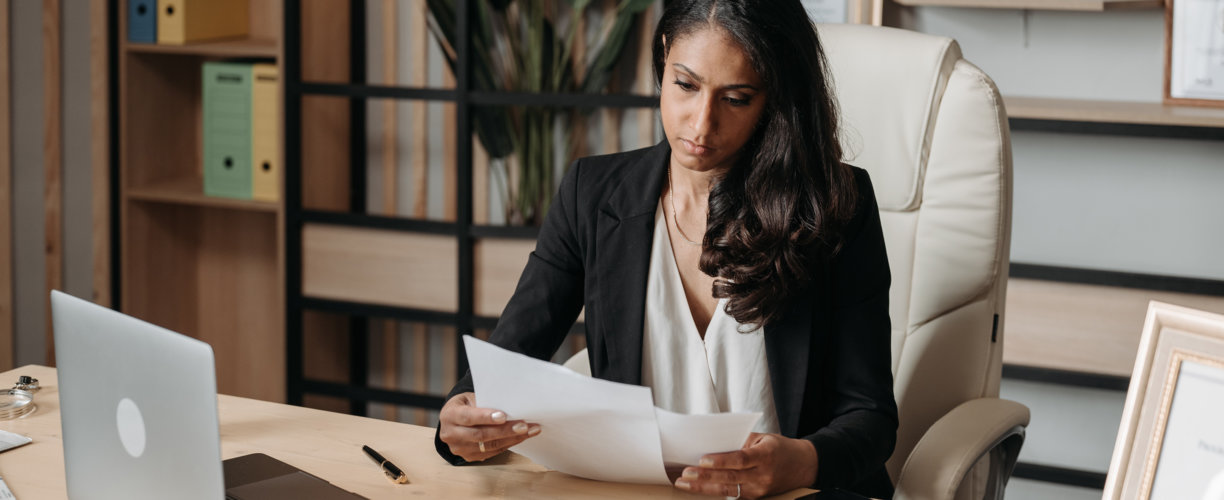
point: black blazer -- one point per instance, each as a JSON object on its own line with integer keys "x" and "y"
{"x": 829, "y": 356}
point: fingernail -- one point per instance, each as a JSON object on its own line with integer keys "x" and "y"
{"x": 534, "y": 430}
{"x": 519, "y": 428}
{"x": 706, "y": 462}
{"x": 498, "y": 416}
{"x": 682, "y": 484}
{"x": 689, "y": 474}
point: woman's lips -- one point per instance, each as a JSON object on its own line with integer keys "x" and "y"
{"x": 696, "y": 149}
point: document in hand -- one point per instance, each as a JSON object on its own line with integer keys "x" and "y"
{"x": 594, "y": 428}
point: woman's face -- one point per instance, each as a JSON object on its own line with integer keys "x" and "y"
{"x": 710, "y": 102}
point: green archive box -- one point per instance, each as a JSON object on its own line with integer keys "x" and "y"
{"x": 227, "y": 129}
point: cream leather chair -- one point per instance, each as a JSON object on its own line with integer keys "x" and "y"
{"x": 931, "y": 129}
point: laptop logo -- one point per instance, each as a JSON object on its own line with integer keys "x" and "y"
{"x": 131, "y": 427}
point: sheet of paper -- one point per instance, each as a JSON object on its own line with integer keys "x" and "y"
{"x": 9, "y": 440}
{"x": 590, "y": 428}
{"x": 686, "y": 438}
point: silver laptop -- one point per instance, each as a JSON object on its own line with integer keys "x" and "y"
{"x": 138, "y": 404}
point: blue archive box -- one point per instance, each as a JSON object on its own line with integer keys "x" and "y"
{"x": 142, "y": 21}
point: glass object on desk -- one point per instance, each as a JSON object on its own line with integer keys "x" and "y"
{"x": 15, "y": 403}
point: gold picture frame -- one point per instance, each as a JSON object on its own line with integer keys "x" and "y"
{"x": 1181, "y": 355}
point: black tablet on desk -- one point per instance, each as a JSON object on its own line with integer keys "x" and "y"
{"x": 261, "y": 477}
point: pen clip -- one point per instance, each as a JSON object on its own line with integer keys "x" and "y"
{"x": 398, "y": 479}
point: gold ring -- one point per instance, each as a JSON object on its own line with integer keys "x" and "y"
{"x": 481, "y": 445}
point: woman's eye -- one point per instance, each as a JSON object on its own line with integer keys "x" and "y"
{"x": 686, "y": 86}
{"x": 737, "y": 102}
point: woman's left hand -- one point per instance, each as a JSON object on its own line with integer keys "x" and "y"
{"x": 766, "y": 465}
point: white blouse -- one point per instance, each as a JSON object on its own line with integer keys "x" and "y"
{"x": 725, "y": 372}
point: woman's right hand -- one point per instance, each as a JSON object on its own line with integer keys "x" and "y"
{"x": 479, "y": 433}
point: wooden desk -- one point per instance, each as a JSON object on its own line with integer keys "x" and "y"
{"x": 325, "y": 444}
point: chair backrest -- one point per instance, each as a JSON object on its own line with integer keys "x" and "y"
{"x": 931, "y": 129}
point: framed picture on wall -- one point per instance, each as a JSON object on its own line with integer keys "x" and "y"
{"x": 843, "y": 11}
{"x": 1194, "y": 52}
{"x": 1171, "y": 440}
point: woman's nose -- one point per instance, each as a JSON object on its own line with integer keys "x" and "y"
{"x": 704, "y": 119}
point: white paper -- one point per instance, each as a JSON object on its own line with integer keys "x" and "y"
{"x": 589, "y": 427}
{"x": 686, "y": 438}
{"x": 9, "y": 440}
{"x": 594, "y": 428}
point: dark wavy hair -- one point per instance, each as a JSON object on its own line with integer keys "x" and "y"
{"x": 780, "y": 210}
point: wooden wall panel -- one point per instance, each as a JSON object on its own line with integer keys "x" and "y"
{"x": 266, "y": 19}
{"x": 238, "y": 296}
{"x": 380, "y": 267}
{"x": 7, "y": 346}
{"x": 390, "y": 179}
{"x": 162, "y": 246}
{"x": 325, "y": 120}
{"x": 498, "y": 263}
{"x": 52, "y": 158}
{"x": 418, "y": 47}
{"x": 99, "y": 102}
{"x": 1084, "y": 328}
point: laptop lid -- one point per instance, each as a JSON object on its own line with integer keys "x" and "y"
{"x": 138, "y": 404}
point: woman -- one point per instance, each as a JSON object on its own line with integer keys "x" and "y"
{"x": 760, "y": 251}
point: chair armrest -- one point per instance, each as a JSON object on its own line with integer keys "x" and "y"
{"x": 954, "y": 443}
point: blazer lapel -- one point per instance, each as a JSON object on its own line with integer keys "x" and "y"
{"x": 624, "y": 231}
{"x": 787, "y": 347}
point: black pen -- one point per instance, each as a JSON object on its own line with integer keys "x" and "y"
{"x": 393, "y": 473}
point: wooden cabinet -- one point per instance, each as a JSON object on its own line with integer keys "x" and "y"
{"x": 207, "y": 267}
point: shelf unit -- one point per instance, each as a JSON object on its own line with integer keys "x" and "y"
{"x": 1135, "y": 113}
{"x": 1064, "y": 5}
{"x": 1093, "y": 317}
{"x": 207, "y": 267}
{"x": 362, "y": 267}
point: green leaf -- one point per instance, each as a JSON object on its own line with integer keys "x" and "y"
{"x": 579, "y": 5}
{"x": 599, "y": 73}
{"x": 634, "y": 6}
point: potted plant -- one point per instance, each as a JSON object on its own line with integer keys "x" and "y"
{"x": 515, "y": 46}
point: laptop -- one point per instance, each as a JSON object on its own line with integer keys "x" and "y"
{"x": 138, "y": 405}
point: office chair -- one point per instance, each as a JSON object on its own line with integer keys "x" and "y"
{"x": 931, "y": 129}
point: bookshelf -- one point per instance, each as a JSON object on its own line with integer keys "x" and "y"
{"x": 1065, "y": 5}
{"x": 209, "y": 267}
{"x": 1136, "y": 113}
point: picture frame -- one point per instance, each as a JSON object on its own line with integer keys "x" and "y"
{"x": 1194, "y": 53}
{"x": 844, "y": 11}
{"x": 1170, "y": 444}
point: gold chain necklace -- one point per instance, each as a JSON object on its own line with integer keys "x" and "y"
{"x": 672, "y": 201}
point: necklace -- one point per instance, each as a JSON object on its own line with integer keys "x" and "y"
{"x": 672, "y": 200}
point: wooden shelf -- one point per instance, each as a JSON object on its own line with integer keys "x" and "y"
{"x": 190, "y": 191}
{"x": 244, "y": 47}
{"x": 1140, "y": 113}
{"x": 1071, "y": 5}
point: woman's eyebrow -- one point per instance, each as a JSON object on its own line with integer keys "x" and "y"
{"x": 699, "y": 79}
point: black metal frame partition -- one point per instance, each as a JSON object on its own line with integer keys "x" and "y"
{"x": 357, "y": 391}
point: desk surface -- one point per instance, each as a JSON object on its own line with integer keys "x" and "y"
{"x": 325, "y": 444}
